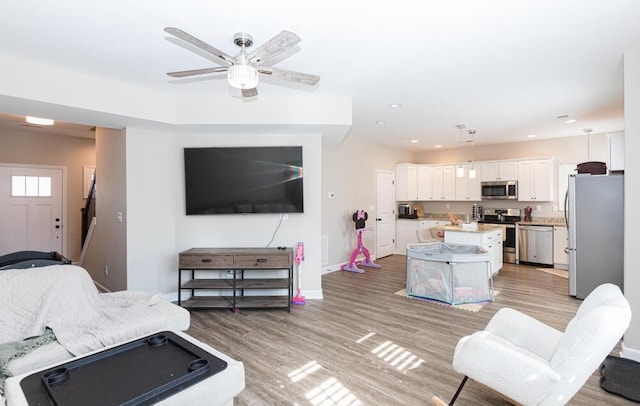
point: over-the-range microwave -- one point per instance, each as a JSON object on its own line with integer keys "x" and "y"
{"x": 500, "y": 190}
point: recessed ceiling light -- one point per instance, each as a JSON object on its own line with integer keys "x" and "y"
{"x": 414, "y": 141}
{"x": 438, "y": 146}
{"x": 39, "y": 121}
{"x": 572, "y": 120}
{"x": 395, "y": 106}
{"x": 531, "y": 136}
{"x": 380, "y": 122}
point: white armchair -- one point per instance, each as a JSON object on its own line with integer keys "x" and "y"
{"x": 530, "y": 363}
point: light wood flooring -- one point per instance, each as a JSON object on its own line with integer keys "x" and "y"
{"x": 362, "y": 344}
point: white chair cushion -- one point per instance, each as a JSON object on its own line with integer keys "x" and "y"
{"x": 525, "y": 332}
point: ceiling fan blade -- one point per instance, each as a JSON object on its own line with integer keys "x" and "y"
{"x": 249, "y": 92}
{"x": 290, "y": 75}
{"x": 227, "y": 59}
{"x": 193, "y": 72}
{"x": 272, "y": 48}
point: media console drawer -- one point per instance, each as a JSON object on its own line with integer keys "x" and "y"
{"x": 205, "y": 261}
{"x": 263, "y": 261}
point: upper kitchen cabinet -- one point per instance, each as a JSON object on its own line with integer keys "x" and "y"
{"x": 425, "y": 182}
{"x": 406, "y": 182}
{"x": 492, "y": 171}
{"x": 616, "y": 151}
{"x": 469, "y": 190}
{"x": 535, "y": 180}
{"x": 443, "y": 182}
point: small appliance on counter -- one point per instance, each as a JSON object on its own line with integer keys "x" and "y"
{"x": 418, "y": 210}
{"x": 527, "y": 214}
{"x": 406, "y": 212}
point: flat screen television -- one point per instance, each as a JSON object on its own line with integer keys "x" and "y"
{"x": 229, "y": 180}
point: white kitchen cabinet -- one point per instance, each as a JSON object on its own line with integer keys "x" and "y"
{"x": 494, "y": 171}
{"x": 443, "y": 182}
{"x": 535, "y": 180}
{"x": 468, "y": 190}
{"x": 616, "y": 151}
{"x": 405, "y": 234}
{"x": 406, "y": 182}
{"x": 560, "y": 242}
{"x": 425, "y": 182}
{"x": 433, "y": 223}
{"x": 491, "y": 241}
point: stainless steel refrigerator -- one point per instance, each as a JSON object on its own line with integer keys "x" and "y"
{"x": 594, "y": 212}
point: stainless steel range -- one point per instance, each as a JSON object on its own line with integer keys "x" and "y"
{"x": 508, "y": 219}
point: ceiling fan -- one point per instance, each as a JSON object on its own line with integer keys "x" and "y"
{"x": 242, "y": 70}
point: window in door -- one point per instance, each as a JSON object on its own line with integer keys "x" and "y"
{"x": 30, "y": 186}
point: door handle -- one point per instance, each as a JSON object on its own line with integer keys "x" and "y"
{"x": 378, "y": 219}
{"x": 57, "y": 226}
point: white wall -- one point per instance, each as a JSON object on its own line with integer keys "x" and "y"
{"x": 631, "y": 346}
{"x": 158, "y": 228}
{"x": 348, "y": 171}
{"x": 152, "y": 172}
{"x": 109, "y": 242}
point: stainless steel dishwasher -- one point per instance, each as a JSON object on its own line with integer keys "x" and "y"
{"x": 535, "y": 244}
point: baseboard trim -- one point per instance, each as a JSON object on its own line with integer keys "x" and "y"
{"x": 630, "y": 353}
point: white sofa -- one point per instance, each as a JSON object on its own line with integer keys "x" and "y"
{"x": 65, "y": 290}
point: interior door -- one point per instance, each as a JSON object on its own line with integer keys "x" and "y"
{"x": 30, "y": 209}
{"x": 385, "y": 225}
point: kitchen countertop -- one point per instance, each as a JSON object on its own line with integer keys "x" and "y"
{"x": 537, "y": 221}
{"x": 482, "y": 228}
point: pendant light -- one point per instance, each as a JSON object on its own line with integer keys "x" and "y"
{"x": 472, "y": 171}
{"x": 460, "y": 170}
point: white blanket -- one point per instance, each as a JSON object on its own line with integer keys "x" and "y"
{"x": 65, "y": 299}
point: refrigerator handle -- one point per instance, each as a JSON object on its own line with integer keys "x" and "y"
{"x": 566, "y": 208}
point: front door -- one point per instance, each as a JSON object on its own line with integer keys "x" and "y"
{"x": 30, "y": 209}
{"x": 385, "y": 213}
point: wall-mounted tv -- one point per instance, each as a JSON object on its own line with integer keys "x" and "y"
{"x": 228, "y": 180}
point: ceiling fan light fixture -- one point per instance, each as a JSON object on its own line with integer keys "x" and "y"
{"x": 242, "y": 76}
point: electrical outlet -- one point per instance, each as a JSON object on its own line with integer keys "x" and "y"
{"x": 447, "y": 206}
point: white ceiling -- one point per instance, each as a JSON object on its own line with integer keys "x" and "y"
{"x": 505, "y": 68}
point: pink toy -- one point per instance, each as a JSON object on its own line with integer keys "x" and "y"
{"x": 299, "y": 299}
{"x": 360, "y": 217}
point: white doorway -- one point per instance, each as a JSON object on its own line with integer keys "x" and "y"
{"x": 385, "y": 226}
{"x": 31, "y": 208}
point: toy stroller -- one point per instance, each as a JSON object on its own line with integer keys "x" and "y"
{"x": 359, "y": 217}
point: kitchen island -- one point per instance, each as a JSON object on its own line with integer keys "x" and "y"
{"x": 487, "y": 236}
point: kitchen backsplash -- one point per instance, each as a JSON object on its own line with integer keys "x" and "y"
{"x": 554, "y": 221}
